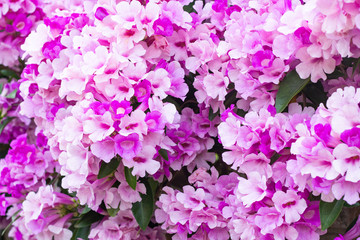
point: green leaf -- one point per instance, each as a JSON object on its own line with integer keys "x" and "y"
{"x": 82, "y": 233}
{"x": 212, "y": 115}
{"x": 10, "y": 74}
{"x": 329, "y": 212}
{"x": 143, "y": 210}
{"x": 4, "y": 123}
{"x": 153, "y": 184}
{"x": 289, "y": 87}
{"x": 274, "y": 157}
{"x": 240, "y": 112}
{"x": 1, "y": 87}
{"x": 353, "y": 205}
{"x": 12, "y": 95}
{"x": 315, "y": 93}
{"x": 108, "y": 168}
{"x": 164, "y": 154}
{"x": 4, "y": 148}
{"x": 130, "y": 179}
{"x": 112, "y": 211}
{"x": 85, "y": 210}
{"x": 88, "y": 218}
{"x": 189, "y": 8}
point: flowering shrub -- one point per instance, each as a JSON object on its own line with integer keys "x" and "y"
{"x": 179, "y": 119}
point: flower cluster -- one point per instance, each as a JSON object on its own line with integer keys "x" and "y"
{"x": 44, "y": 215}
{"x": 327, "y": 150}
{"x": 17, "y": 20}
{"x": 267, "y": 196}
{"x": 197, "y": 211}
{"x": 24, "y": 169}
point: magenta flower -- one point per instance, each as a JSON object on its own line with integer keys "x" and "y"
{"x": 101, "y": 13}
{"x": 127, "y": 146}
{"x": 120, "y": 109}
{"x": 351, "y": 137}
{"x": 163, "y": 27}
{"x": 51, "y": 50}
{"x": 263, "y": 59}
{"x": 22, "y": 24}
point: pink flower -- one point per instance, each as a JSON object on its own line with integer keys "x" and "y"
{"x": 143, "y": 162}
{"x": 38, "y": 211}
{"x": 316, "y": 67}
{"x": 320, "y": 164}
{"x": 128, "y": 14}
{"x": 191, "y": 199}
{"x": 74, "y": 162}
{"x": 229, "y": 131}
{"x": 347, "y": 190}
{"x": 267, "y": 219}
{"x": 208, "y": 217}
{"x": 122, "y": 226}
{"x": 99, "y": 127}
{"x": 174, "y": 10}
{"x": 215, "y": 85}
{"x": 160, "y": 82}
{"x": 127, "y": 146}
{"x": 256, "y": 163}
{"x": 154, "y": 121}
{"x": 289, "y": 204}
{"x": 347, "y": 160}
{"x": 252, "y": 189}
{"x": 286, "y": 232}
{"x": 9, "y": 53}
{"x": 105, "y": 150}
{"x": 135, "y": 123}
{"x": 111, "y": 230}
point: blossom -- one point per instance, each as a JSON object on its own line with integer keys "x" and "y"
{"x": 289, "y": 204}
{"x": 143, "y": 162}
{"x": 347, "y": 161}
{"x": 268, "y": 219}
{"x": 314, "y": 67}
{"x": 38, "y": 215}
{"x": 253, "y": 189}
{"x": 127, "y": 146}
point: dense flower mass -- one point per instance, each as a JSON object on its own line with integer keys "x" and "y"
{"x": 216, "y": 119}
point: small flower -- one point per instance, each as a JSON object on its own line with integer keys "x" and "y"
{"x": 289, "y": 204}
